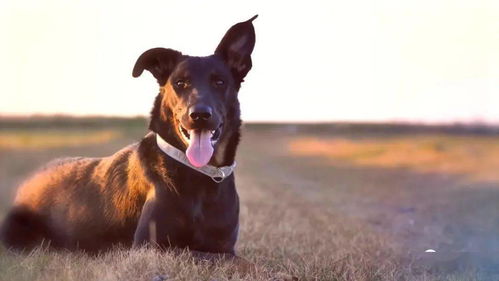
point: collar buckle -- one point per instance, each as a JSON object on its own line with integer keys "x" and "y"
{"x": 220, "y": 177}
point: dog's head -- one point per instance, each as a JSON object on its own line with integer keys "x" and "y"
{"x": 197, "y": 108}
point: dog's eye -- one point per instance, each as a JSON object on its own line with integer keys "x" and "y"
{"x": 181, "y": 84}
{"x": 219, "y": 82}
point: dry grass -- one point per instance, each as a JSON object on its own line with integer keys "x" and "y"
{"x": 119, "y": 264}
{"x": 317, "y": 218}
{"x": 53, "y": 138}
{"x": 476, "y": 158}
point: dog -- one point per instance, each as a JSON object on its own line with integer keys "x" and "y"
{"x": 174, "y": 189}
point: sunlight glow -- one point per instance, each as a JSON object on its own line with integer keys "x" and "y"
{"x": 367, "y": 60}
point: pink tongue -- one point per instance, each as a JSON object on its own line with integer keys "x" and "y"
{"x": 200, "y": 150}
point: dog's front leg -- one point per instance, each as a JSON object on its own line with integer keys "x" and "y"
{"x": 146, "y": 234}
{"x": 146, "y": 231}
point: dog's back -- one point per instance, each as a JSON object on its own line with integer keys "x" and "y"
{"x": 79, "y": 203}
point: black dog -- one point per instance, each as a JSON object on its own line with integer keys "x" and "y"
{"x": 151, "y": 192}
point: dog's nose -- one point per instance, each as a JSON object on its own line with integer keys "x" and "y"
{"x": 200, "y": 112}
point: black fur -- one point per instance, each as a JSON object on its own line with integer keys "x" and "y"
{"x": 139, "y": 195}
{"x": 201, "y": 214}
{"x": 159, "y": 61}
{"x": 26, "y": 230}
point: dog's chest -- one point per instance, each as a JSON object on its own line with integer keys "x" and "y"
{"x": 209, "y": 221}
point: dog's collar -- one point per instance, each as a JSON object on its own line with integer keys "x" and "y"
{"x": 217, "y": 174}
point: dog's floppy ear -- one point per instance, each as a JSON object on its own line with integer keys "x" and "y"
{"x": 159, "y": 61}
{"x": 236, "y": 47}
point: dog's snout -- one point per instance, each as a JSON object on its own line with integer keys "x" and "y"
{"x": 200, "y": 112}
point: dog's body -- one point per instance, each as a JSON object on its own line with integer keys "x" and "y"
{"x": 140, "y": 195}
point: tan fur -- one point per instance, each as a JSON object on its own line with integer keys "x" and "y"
{"x": 75, "y": 196}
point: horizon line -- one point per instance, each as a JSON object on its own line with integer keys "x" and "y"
{"x": 401, "y": 121}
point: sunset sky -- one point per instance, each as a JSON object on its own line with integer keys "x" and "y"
{"x": 366, "y": 60}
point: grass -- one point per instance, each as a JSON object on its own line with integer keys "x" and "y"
{"x": 53, "y": 138}
{"x": 476, "y": 158}
{"x": 319, "y": 206}
{"x": 120, "y": 264}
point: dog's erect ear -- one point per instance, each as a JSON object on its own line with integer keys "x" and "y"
{"x": 236, "y": 47}
{"x": 159, "y": 61}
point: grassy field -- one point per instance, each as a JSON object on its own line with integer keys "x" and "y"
{"x": 330, "y": 202}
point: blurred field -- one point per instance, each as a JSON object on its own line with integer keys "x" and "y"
{"x": 469, "y": 156}
{"x": 53, "y": 138}
{"x": 328, "y": 202}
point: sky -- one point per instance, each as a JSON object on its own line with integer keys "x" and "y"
{"x": 431, "y": 61}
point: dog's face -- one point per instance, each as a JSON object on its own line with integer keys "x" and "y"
{"x": 200, "y": 90}
{"x": 197, "y": 104}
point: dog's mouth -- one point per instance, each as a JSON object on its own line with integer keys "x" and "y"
{"x": 214, "y": 134}
{"x": 201, "y": 144}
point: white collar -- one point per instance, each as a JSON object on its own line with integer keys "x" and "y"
{"x": 217, "y": 174}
